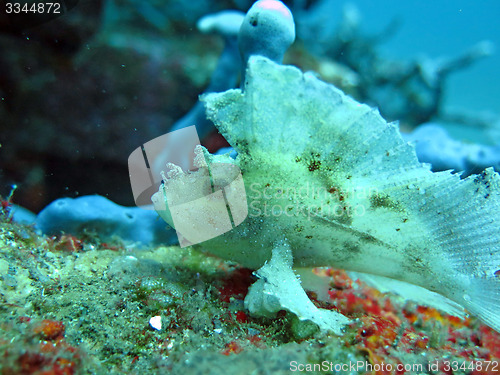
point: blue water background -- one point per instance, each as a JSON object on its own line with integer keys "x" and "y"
{"x": 443, "y": 28}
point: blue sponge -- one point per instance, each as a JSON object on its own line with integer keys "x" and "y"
{"x": 99, "y": 214}
{"x": 267, "y": 30}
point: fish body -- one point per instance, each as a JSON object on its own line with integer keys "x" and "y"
{"x": 333, "y": 180}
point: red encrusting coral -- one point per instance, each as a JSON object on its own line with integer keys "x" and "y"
{"x": 45, "y": 352}
{"x": 236, "y": 285}
{"x": 65, "y": 242}
{"x": 385, "y": 331}
{"x": 50, "y": 329}
{"x": 232, "y": 348}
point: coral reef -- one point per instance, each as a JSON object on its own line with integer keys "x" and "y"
{"x": 81, "y": 281}
{"x": 66, "y": 311}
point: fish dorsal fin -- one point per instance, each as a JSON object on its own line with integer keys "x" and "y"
{"x": 294, "y": 113}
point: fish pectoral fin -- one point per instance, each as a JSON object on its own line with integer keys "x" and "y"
{"x": 279, "y": 288}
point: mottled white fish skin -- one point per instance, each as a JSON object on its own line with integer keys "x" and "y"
{"x": 339, "y": 184}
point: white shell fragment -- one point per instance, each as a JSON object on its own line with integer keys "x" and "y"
{"x": 155, "y": 322}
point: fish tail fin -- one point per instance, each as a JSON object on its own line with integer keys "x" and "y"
{"x": 483, "y": 300}
{"x": 464, "y": 217}
{"x": 471, "y": 237}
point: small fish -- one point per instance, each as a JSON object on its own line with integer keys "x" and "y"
{"x": 330, "y": 183}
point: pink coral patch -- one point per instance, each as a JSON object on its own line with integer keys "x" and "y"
{"x": 274, "y": 5}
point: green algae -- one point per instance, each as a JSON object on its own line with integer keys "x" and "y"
{"x": 383, "y": 200}
{"x": 105, "y": 298}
